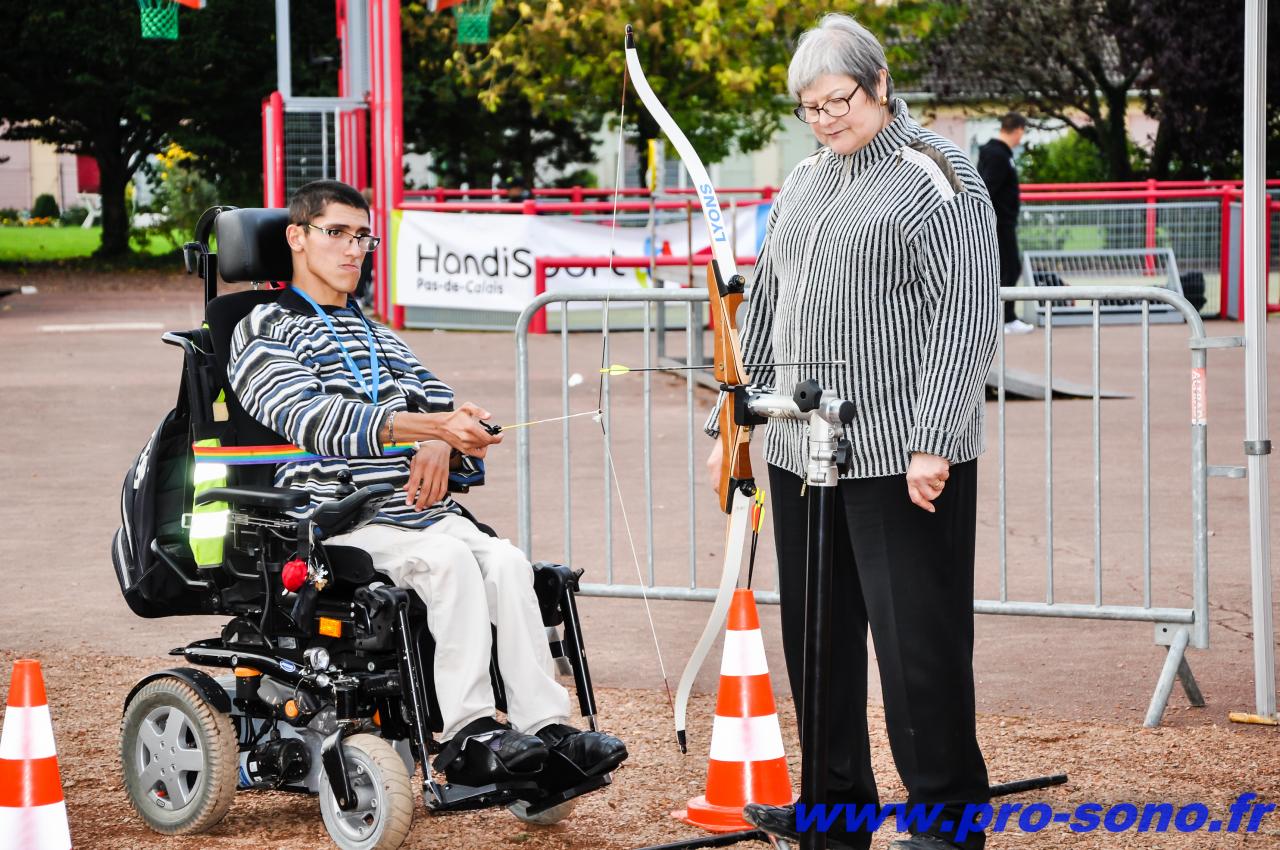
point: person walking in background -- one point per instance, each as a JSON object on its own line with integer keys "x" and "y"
{"x": 995, "y": 164}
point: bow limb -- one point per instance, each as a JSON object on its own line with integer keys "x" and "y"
{"x": 725, "y": 286}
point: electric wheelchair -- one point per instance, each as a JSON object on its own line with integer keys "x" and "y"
{"x": 326, "y": 688}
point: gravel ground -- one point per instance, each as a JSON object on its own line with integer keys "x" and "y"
{"x": 1106, "y": 763}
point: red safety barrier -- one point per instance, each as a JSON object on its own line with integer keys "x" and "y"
{"x": 538, "y": 324}
{"x": 576, "y": 194}
{"x": 575, "y": 201}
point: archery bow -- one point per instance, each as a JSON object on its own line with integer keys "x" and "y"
{"x": 726, "y": 287}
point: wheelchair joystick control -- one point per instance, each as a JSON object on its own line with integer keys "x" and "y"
{"x": 345, "y": 487}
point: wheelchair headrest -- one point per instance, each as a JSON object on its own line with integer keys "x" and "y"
{"x": 252, "y": 246}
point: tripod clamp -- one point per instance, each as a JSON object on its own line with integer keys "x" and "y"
{"x": 829, "y": 452}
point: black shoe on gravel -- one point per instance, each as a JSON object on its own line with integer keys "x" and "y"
{"x": 485, "y": 751}
{"x": 593, "y": 753}
{"x": 780, "y": 822}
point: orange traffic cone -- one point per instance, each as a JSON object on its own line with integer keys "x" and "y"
{"x": 33, "y": 814}
{"x": 747, "y": 762}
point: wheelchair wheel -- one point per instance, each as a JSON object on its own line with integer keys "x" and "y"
{"x": 179, "y": 758}
{"x": 384, "y": 797}
{"x": 549, "y": 817}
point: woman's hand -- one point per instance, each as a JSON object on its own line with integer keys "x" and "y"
{"x": 462, "y": 430}
{"x": 428, "y": 475}
{"x": 715, "y": 461}
{"x": 926, "y": 476}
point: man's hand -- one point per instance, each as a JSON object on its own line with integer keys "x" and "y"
{"x": 715, "y": 462}
{"x": 428, "y": 475}
{"x": 926, "y": 476}
{"x": 463, "y": 431}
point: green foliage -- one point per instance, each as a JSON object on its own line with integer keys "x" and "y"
{"x": 1070, "y": 158}
{"x": 79, "y": 76}
{"x": 468, "y": 142}
{"x": 1066, "y": 159}
{"x": 46, "y": 206}
{"x": 71, "y": 216}
{"x": 179, "y": 196}
{"x": 719, "y": 68}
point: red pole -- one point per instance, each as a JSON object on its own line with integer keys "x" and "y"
{"x": 396, "y": 154}
{"x": 1151, "y": 224}
{"x": 538, "y": 324}
{"x": 1224, "y": 260}
{"x": 377, "y": 148}
{"x": 273, "y": 150}
{"x": 1266, "y": 266}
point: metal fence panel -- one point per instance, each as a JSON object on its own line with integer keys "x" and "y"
{"x": 1175, "y": 626}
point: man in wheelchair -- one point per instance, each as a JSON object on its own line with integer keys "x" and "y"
{"x": 312, "y": 368}
{"x": 301, "y": 486}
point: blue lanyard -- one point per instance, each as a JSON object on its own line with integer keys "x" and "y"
{"x": 372, "y": 393}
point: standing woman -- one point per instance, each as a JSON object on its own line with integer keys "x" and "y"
{"x": 881, "y": 253}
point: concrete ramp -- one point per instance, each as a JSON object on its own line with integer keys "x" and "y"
{"x": 1030, "y": 385}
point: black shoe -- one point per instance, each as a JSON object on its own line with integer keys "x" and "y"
{"x": 485, "y": 751}
{"x": 922, "y": 841}
{"x": 780, "y": 822}
{"x": 593, "y": 753}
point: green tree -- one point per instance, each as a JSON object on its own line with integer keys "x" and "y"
{"x": 78, "y": 75}
{"x": 720, "y": 68}
{"x": 470, "y": 143}
{"x": 1057, "y": 59}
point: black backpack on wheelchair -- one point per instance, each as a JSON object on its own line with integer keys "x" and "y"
{"x": 326, "y": 689}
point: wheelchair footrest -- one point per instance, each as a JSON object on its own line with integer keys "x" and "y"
{"x": 560, "y": 781}
{"x": 443, "y": 798}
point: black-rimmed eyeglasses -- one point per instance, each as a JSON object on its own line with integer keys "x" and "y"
{"x": 367, "y": 242}
{"x": 836, "y": 107}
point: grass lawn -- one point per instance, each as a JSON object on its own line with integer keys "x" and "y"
{"x": 39, "y": 244}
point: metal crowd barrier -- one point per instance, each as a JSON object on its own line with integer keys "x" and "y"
{"x": 1175, "y": 627}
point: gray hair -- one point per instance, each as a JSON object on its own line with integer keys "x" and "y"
{"x": 838, "y": 45}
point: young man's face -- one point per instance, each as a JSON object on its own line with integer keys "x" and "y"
{"x": 325, "y": 251}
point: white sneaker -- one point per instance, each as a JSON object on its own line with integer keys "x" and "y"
{"x": 1017, "y": 326}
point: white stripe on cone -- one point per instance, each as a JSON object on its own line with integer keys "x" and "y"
{"x": 746, "y": 738}
{"x": 28, "y": 733}
{"x": 743, "y": 653}
{"x": 35, "y": 828}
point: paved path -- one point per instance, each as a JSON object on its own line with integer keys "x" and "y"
{"x": 78, "y": 403}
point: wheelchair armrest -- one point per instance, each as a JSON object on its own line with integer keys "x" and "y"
{"x": 280, "y": 498}
{"x": 351, "y": 511}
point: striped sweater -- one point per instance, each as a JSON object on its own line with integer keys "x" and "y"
{"x": 289, "y": 374}
{"x": 884, "y": 259}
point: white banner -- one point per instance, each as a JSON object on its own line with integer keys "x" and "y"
{"x": 485, "y": 261}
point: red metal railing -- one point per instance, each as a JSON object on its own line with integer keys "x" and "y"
{"x": 577, "y": 201}
{"x": 576, "y": 194}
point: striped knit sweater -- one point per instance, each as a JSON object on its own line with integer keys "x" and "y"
{"x": 884, "y": 259}
{"x": 289, "y": 374}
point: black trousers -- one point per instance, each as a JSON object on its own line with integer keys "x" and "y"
{"x": 1010, "y": 262}
{"x": 908, "y": 574}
